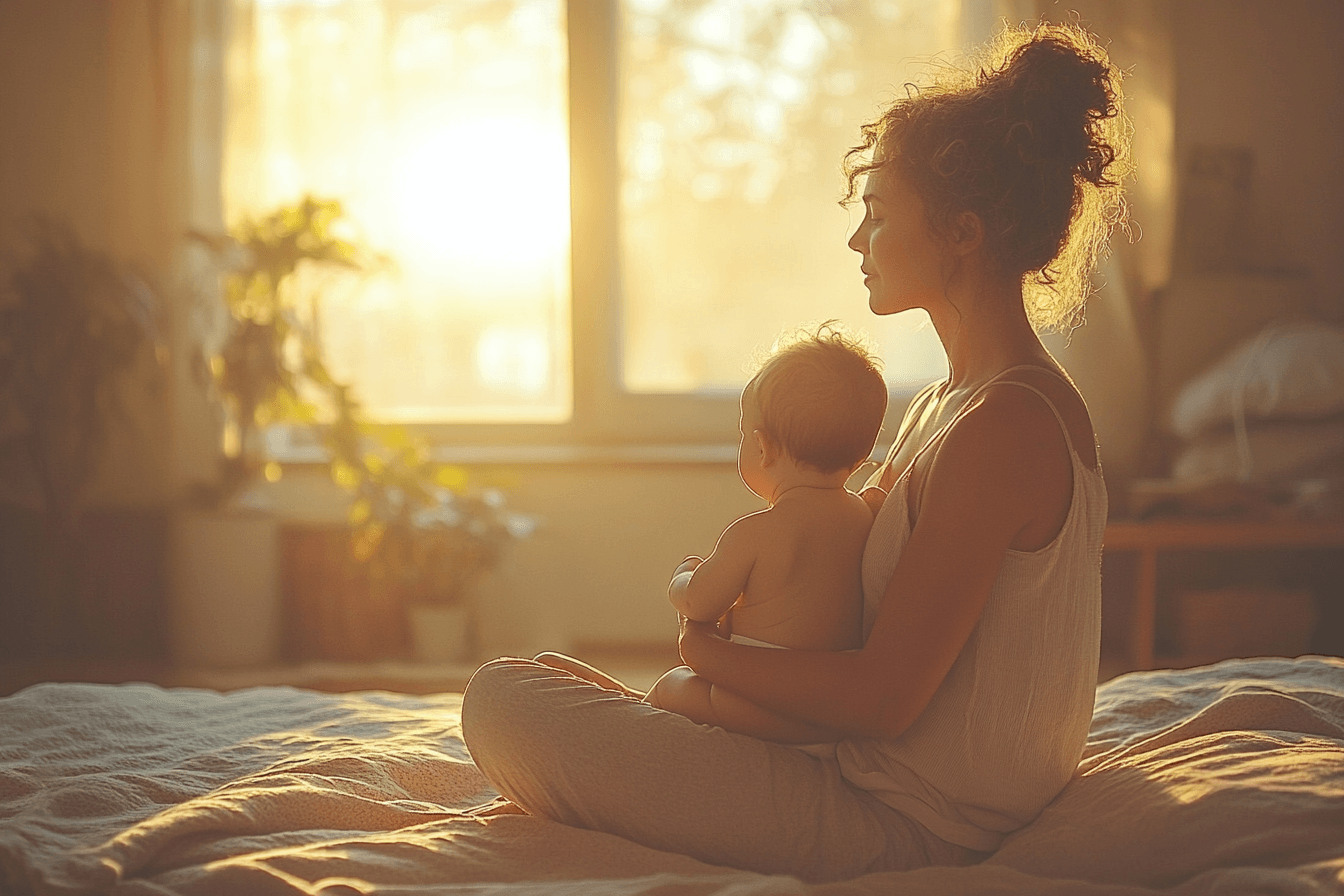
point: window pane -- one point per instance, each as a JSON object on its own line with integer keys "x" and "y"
{"x": 733, "y": 118}
{"x": 443, "y": 129}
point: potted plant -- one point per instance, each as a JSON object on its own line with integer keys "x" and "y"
{"x": 416, "y": 525}
{"x": 266, "y": 369}
{"x": 76, "y": 329}
{"x": 270, "y": 367}
{"x": 73, "y": 324}
{"x": 433, "y": 534}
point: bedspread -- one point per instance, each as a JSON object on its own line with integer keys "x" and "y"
{"x": 1222, "y": 779}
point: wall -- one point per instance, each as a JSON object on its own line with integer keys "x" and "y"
{"x": 91, "y": 137}
{"x": 1266, "y": 77}
{"x": 54, "y": 143}
{"x": 1225, "y": 72}
{"x": 596, "y": 568}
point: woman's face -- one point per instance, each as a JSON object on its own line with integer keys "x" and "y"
{"x": 904, "y": 263}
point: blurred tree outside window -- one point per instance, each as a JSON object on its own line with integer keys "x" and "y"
{"x": 733, "y": 117}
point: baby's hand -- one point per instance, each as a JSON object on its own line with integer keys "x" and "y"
{"x": 874, "y": 497}
{"x": 690, "y": 564}
{"x": 681, "y": 580}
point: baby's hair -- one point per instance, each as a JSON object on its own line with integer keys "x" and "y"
{"x": 821, "y": 397}
{"x": 1029, "y": 135}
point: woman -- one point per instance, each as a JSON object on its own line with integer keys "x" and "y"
{"x": 988, "y": 196}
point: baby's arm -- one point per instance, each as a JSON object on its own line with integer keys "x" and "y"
{"x": 685, "y": 693}
{"x": 705, "y": 590}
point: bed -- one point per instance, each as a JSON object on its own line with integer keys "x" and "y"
{"x": 1224, "y": 779}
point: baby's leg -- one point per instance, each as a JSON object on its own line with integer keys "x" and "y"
{"x": 580, "y": 669}
{"x": 683, "y": 692}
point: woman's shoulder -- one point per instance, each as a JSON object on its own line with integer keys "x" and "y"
{"x": 1031, "y": 406}
{"x": 1001, "y": 469}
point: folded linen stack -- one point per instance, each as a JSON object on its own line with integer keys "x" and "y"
{"x": 1269, "y": 414}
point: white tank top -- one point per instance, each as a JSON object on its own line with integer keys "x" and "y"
{"x": 1003, "y": 733}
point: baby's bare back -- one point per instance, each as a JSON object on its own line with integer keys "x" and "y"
{"x": 804, "y": 590}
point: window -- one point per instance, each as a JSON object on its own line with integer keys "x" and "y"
{"x": 442, "y": 128}
{"x": 600, "y": 209}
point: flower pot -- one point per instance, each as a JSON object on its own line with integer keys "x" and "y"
{"x": 225, "y": 600}
{"x": 440, "y": 633}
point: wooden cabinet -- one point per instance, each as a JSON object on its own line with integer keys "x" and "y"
{"x": 1148, "y": 540}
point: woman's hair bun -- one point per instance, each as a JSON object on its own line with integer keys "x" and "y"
{"x": 1054, "y": 92}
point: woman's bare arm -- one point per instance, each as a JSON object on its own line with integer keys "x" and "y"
{"x": 682, "y": 691}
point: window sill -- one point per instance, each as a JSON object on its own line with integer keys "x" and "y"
{"x": 557, "y": 455}
{"x": 588, "y": 455}
{"x": 296, "y": 449}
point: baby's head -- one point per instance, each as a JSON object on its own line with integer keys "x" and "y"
{"x": 820, "y": 398}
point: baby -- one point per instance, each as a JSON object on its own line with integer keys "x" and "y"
{"x": 787, "y": 576}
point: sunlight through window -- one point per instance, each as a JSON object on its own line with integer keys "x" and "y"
{"x": 443, "y": 128}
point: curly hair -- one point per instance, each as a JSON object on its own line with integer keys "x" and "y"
{"x": 821, "y": 397}
{"x": 1030, "y": 136}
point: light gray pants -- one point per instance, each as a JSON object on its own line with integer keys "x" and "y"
{"x": 568, "y": 750}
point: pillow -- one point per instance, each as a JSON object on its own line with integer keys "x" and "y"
{"x": 1274, "y": 452}
{"x": 1288, "y": 371}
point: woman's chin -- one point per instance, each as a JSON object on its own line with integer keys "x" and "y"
{"x": 880, "y": 303}
{"x": 886, "y": 305}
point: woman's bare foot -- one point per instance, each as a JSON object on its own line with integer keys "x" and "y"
{"x": 580, "y": 669}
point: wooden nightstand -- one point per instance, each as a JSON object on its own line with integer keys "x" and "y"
{"x": 1149, "y": 539}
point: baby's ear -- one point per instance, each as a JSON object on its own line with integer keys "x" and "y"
{"x": 765, "y": 446}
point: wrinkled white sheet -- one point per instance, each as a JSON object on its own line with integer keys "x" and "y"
{"x": 1219, "y": 780}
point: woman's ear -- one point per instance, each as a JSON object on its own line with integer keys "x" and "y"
{"x": 967, "y": 233}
